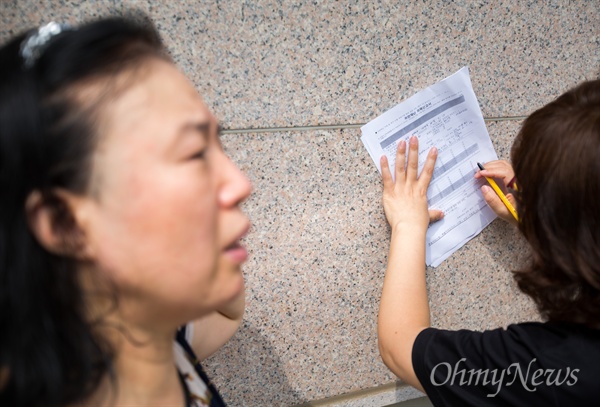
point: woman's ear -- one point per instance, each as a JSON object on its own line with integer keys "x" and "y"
{"x": 56, "y": 220}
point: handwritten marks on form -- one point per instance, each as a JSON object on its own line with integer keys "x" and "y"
{"x": 447, "y": 116}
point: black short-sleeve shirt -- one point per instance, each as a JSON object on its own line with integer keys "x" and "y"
{"x": 529, "y": 364}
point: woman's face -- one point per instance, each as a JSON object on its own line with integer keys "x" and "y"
{"x": 163, "y": 215}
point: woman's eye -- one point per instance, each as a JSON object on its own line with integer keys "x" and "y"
{"x": 199, "y": 155}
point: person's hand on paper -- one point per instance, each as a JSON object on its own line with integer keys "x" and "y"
{"x": 499, "y": 169}
{"x": 405, "y": 199}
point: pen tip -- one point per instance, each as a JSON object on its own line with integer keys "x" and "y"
{"x": 480, "y": 166}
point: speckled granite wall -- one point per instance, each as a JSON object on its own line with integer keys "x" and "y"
{"x": 319, "y": 238}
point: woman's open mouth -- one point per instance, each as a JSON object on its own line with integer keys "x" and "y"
{"x": 236, "y": 252}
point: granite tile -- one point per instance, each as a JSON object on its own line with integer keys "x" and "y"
{"x": 290, "y": 63}
{"x": 17, "y": 16}
{"x": 293, "y": 63}
{"x": 318, "y": 254}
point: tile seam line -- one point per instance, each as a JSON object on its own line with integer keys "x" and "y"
{"x": 358, "y": 395}
{"x": 338, "y": 126}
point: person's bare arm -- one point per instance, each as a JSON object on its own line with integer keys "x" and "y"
{"x": 404, "y": 307}
{"x": 215, "y": 329}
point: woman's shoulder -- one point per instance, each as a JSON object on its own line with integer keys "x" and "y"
{"x": 527, "y": 339}
{"x": 553, "y": 330}
{"x": 553, "y": 337}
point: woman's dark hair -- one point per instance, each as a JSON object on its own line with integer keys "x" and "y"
{"x": 556, "y": 158}
{"x": 48, "y": 352}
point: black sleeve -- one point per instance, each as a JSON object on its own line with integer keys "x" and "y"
{"x": 491, "y": 368}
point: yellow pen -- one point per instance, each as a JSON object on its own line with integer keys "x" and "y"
{"x": 500, "y": 194}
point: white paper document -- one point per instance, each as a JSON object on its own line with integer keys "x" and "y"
{"x": 447, "y": 116}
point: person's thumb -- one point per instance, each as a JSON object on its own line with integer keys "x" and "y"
{"x": 435, "y": 215}
{"x": 494, "y": 202}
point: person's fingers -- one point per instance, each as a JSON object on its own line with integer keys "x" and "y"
{"x": 401, "y": 156}
{"x": 435, "y": 215}
{"x": 386, "y": 175}
{"x": 427, "y": 171}
{"x": 496, "y": 173}
{"x": 500, "y": 169}
{"x": 497, "y": 164}
{"x": 400, "y": 160}
{"x": 413, "y": 159}
{"x": 495, "y": 202}
{"x": 512, "y": 200}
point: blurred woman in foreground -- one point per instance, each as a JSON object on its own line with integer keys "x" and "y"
{"x": 119, "y": 222}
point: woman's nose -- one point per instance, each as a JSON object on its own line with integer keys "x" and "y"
{"x": 236, "y": 186}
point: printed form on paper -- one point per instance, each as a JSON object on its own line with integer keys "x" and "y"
{"x": 447, "y": 116}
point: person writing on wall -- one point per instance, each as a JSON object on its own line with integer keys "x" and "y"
{"x": 556, "y": 166}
